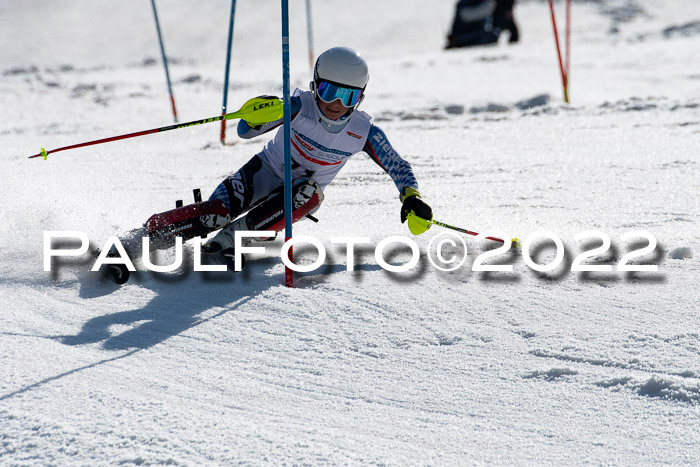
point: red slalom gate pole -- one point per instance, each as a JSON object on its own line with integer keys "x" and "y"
{"x": 310, "y": 34}
{"x": 567, "y": 67}
{"x": 556, "y": 42}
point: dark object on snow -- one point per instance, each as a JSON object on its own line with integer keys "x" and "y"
{"x": 480, "y": 22}
{"x": 504, "y": 21}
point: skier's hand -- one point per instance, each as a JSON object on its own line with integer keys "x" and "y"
{"x": 417, "y": 211}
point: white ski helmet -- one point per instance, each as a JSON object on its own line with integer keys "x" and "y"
{"x": 340, "y": 73}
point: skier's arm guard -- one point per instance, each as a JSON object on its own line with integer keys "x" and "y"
{"x": 248, "y": 131}
{"x": 380, "y": 150}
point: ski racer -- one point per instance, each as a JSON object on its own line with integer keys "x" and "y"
{"x": 326, "y": 130}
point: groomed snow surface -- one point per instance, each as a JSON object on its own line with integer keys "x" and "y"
{"x": 364, "y": 367}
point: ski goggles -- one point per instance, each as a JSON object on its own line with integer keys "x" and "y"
{"x": 329, "y": 92}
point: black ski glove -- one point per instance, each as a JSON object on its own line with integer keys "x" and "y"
{"x": 412, "y": 203}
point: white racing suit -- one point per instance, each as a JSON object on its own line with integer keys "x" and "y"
{"x": 317, "y": 154}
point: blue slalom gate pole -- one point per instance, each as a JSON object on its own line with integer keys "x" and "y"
{"x": 287, "y": 119}
{"x": 165, "y": 60}
{"x": 228, "y": 67}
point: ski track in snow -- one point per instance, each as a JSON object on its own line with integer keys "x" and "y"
{"x": 364, "y": 367}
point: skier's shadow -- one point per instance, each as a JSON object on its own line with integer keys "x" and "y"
{"x": 181, "y": 299}
{"x": 175, "y": 308}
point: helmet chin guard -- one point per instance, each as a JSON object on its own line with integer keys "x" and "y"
{"x": 344, "y": 68}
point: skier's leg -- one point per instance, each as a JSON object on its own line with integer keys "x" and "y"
{"x": 245, "y": 188}
{"x": 268, "y": 214}
{"x": 233, "y": 196}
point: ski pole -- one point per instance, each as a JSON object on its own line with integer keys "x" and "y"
{"x": 165, "y": 60}
{"x": 256, "y": 111}
{"x": 514, "y": 241}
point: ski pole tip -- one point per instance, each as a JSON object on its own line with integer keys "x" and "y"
{"x": 44, "y": 154}
{"x": 515, "y": 242}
